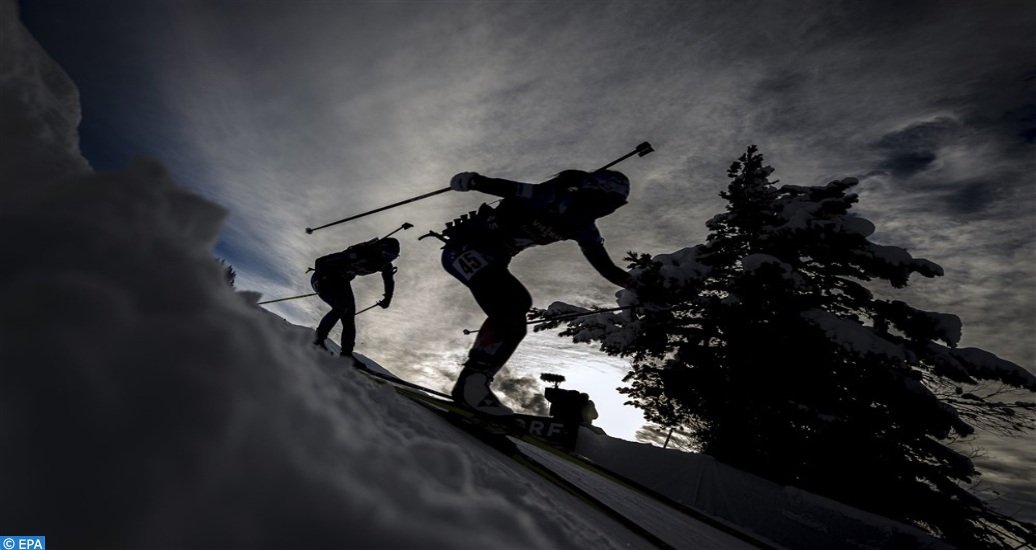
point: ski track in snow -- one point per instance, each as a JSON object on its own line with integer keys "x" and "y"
{"x": 674, "y": 527}
{"x": 670, "y": 525}
{"x": 562, "y": 514}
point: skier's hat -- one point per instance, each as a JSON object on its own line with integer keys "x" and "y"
{"x": 388, "y": 245}
{"x": 596, "y": 194}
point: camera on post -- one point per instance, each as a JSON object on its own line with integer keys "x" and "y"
{"x": 567, "y": 405}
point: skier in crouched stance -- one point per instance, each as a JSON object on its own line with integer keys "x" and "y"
{"x": 480, "y": 248}
{"x": 332, "y": 280}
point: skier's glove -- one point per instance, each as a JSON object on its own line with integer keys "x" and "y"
{"x": 464, "y": 181}
{"x": 384, "y": 303}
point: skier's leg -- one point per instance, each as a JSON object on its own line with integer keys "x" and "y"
{"x": 501, "y": 296}
{"x": 327, "y": 323}
{"x": 343, "y": 308}
{"x": 506, "y": 303}
{"x": 347, "y": 302}
{"x": 329, "y": 320}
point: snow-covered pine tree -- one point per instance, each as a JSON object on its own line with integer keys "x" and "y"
{"x": 228, "y": 271}
{"x": 782, "y": 362}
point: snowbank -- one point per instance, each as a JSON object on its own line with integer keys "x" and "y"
{"x": 785, "y": 516}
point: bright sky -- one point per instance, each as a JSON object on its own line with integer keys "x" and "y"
{"x": 296, "y": 114}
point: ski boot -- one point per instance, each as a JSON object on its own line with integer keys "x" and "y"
{"x": 472, "y": 389}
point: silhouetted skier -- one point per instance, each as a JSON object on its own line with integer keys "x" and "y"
{"x": 480, "y": 248}
{"x": 332, "y": 282}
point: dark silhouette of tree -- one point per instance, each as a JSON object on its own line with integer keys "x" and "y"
{"x": 767, "y": 344}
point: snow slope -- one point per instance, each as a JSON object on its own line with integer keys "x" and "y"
{"x": 782, "y": 516}
{"x": 145, "y": 403}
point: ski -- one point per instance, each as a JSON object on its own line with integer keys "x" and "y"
{"x": 399, "y": 381}
{"x": 530, "y": 430}
{"x": 501, "y": 442}
{"x": 495, "y": 432}
{"x": 541, "y": 428}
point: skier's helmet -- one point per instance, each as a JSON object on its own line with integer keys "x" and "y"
{"x": 601, "y": 193}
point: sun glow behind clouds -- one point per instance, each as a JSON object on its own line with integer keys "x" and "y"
{"x": 586, "y": 370}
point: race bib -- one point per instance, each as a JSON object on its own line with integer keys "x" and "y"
{"x": 468, "y": 264}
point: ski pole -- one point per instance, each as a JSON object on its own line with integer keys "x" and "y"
{"x": 641, "y": 150}
{"x": 430, "y": 233}
{"x": 283, "y": 299}
{"x": 310, "y": 230}
{"x": 403, "y": 227}
{"x": 568, "y": 316}
{"x": 306, "y": 296}
{"x": 365, "y": 309}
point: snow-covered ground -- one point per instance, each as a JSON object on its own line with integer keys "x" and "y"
{"x": 145, "y": 403}
{"x": 784, "y": 517}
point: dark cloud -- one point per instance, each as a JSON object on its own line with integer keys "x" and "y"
{"x": 783, "y": 101}
{"x": 966, "y": 198}
{"x": 1024, "y": 116}
{"x": 971, "y": 198}
{"x": 998, "y": 93}
{"x": 922, "y": 136}
{"x": 903, "y": 165}
{"x": 1011, "y": 110}
{"x": 912, "y": 149}
{"x": 525, "y": 391}
{"x": 1029, "y": 134}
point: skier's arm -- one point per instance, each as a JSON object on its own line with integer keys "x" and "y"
{"x": 390, "y": 284}
{"x": 598, "y": 257}
{"x": 504, "y": 188}
{"x": 468, "y": 181}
